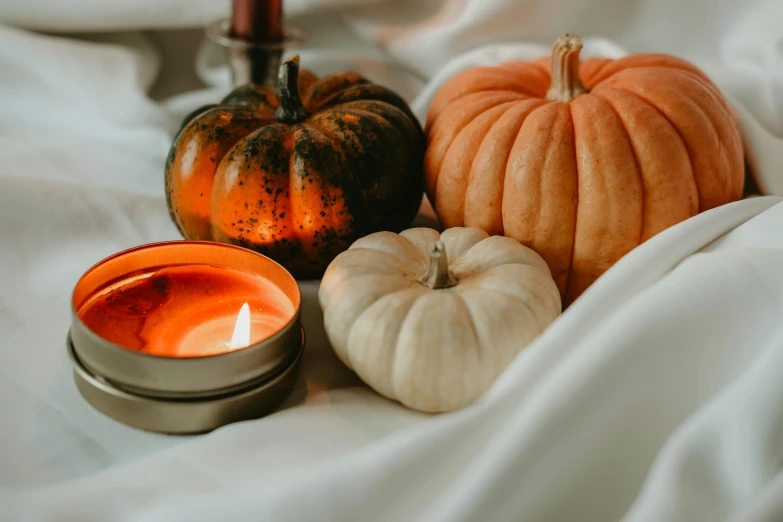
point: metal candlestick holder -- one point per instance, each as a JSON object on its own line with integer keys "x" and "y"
{"x": 251, "y": 61}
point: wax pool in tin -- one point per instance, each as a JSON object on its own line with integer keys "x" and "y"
{"x": 185, "y": 311}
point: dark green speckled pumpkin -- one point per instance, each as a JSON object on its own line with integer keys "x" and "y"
{"x": 301, "y": 175}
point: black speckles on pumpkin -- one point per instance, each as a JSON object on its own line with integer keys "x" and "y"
{"x": 265, "y": 151}
{"x": 192, "y": 117}
{"x": 356, "y": 163}
{"x": 251, "y": 150}
{"x": 218, "y": 133}
{"x": 328, "y": 242}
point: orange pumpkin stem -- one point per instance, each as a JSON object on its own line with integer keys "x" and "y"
{"x": 566, "y": 82}
{"x": 291, "y": 109}
{"x": 438, "y": 275}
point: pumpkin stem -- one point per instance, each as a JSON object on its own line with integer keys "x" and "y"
{"x": 566, "y": 82}
{"x": 438, "y": 275}
{"x": 291, "y": 109}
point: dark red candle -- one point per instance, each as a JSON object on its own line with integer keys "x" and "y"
{"x": 257, "y": 20}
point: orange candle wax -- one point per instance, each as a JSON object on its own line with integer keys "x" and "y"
{"x": 187, "y": 310}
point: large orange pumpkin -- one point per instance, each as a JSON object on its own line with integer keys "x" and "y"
{"x": 585, "y": 163}
{"x": 300, "y": 174}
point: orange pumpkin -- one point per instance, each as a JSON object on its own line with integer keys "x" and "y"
{"x": 300, "y": 174}
{"x": 584, "y": 163}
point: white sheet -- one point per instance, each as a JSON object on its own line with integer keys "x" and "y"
{"x": 657, "y": 396}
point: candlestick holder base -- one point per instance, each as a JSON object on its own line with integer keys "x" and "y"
{"x": 252, "y": 62}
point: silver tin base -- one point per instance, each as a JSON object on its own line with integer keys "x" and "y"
{"x": 184, "y": 416}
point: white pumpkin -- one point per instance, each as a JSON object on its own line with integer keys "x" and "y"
{"x": 430, "y": 319}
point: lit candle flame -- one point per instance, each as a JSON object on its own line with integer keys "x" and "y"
{"x": 241, "y": 336}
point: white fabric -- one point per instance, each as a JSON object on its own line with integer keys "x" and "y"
{"x": 657, "y": 396}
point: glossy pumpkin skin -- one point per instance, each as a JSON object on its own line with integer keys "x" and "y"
{"x": 299, "y": 175}
{"x": 584, "y": 164}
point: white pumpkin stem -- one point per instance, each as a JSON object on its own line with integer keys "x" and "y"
{"x": 566, "y": 82}
{"x": 438, "y": 275}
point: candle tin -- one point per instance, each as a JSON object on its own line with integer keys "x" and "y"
{"x": 179, "y": 395}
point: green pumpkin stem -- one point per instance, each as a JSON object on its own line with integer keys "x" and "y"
{"x": 438, "y": 275}
{"x": 291, "y": 109}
